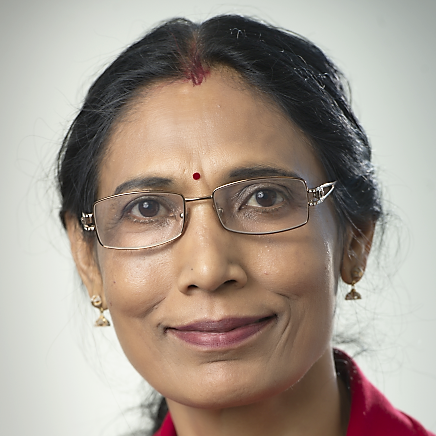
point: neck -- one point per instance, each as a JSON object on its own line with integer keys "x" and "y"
{"x": 317, "y": 405}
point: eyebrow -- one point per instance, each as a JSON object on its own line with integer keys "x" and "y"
{"x": 162, "y": 183}
{"x": 143, "y": 183}
{"x": 260, "y": 171}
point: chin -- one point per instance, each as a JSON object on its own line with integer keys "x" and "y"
{"x": 227, "y": 389}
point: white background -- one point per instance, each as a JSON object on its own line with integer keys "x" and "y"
{"x": 58, "y": 375}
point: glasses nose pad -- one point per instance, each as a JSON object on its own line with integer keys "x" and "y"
{"x": 218, "y": 209}
{"x": 220, "y": 212}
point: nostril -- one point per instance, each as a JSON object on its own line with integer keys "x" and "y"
{"x": 227, "y": 282}
{"x": 191, "y": 287}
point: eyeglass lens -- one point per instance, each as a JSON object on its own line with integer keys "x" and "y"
{"x": 262, "y": 206}
{"x": 146, "y": 219}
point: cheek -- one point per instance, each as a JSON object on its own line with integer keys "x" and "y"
{"x": 135, "y": 285}
{"x": 132, "y": 281}
{"x": 302, "y": 271}
{"x": 301, "y": 265}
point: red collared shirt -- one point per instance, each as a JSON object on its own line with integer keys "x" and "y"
{"x": 371, "y": 413}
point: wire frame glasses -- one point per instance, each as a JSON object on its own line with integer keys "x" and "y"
{"x": 145, "y": 219}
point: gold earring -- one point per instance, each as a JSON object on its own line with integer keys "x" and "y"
{"x": 356, "y": 275}
{"x": 101, "y": 320}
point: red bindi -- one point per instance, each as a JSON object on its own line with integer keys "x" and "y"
{"x": 196, "y": 176}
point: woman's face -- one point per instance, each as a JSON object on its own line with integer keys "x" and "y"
{"x": 279, "y": 290}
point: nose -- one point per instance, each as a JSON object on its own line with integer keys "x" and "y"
{"x": 209, "y": 259}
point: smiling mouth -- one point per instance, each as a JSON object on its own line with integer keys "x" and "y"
{"x": 224, "y": 333}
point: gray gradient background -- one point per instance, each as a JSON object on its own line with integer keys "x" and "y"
{"x": 58, "y": 375}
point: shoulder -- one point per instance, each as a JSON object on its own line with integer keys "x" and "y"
{"x": 371, "y": 412}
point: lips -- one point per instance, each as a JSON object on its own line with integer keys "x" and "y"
{"x": 224, "y": 333}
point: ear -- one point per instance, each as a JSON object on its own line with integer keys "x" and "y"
{"x": 357, "y": 245}
{"x": 85, "y": 258}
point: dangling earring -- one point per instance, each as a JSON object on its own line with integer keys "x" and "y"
{"x": 101, "y": 320}
{"x": 356, "y": 275}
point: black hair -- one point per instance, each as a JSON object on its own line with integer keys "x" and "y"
{"x": 287, "y": 68}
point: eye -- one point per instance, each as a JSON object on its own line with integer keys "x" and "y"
{"x": 265, "y": 198}
{"x": 146, "y": 208}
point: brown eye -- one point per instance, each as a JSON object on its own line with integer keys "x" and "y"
{"x": 265, "y": 198}
{"x": 148, "y": 208}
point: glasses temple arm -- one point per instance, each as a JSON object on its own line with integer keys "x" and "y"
{"x": 320, "y": 193}
{"x": 87, "y": 220}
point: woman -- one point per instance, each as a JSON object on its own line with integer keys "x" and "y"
{"x": 216, "y": 186}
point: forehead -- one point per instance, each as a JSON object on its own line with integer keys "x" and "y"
{"x": 176, "y": 129}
